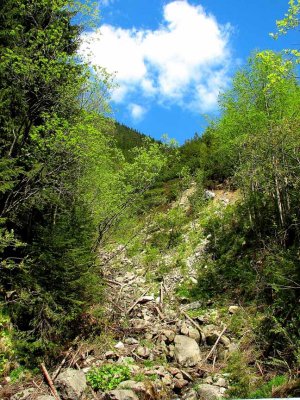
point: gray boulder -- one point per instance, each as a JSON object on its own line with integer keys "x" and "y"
{"x": 71, "y": 384}
{"x": 23, "y": 394}
{"x": 190, "y": 395}
{"x": 121, "y": 395}
{"x": 209, "y": 392}
{"x": 187, "y": 351}
{"x": 140, "y": 388}
{"x": 45, "y": 397}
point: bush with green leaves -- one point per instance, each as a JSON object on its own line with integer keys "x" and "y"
{"x": 108, "y": 377}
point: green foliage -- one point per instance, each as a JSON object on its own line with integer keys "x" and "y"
{"x": 266, "y": 390}
{"x": 290, "y": 20}
{"x": 240, "y": 376}
{"x": 168, "y": 228}
{"x": 108, "y": 377}
{"x": 127, "y": 139}
{"x": 6, "y": 343}
{"x": 47, "y": 230}
{"x": 17, "y": 374}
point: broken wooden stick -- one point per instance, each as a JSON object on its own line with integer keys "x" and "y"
{"x": 216, "y": 343}
{"x": 192, "y": 321}
{"x": 49, "y": 381}
{"x": 72, "y": 362}
{"x": 112, "y": 282}
{"x": 166, "y": 290}
{"x": 55, "y": 375}
{"x": 136, "y": 302}
{"x": 161, "y": 315}
{"x": 161, "y": 296}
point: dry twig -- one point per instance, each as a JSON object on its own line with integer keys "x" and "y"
{"x": 216, "y": 343}
{"x": 49, "y": 381}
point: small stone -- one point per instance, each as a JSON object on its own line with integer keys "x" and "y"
{"x": 169, "y": 334}
{"x": 194, "y": 334}
{"x": 233, "y": 347}
{"x": 139, "y": 324}
{"x": 233, "y": 309}
{"x": 190, "y": 395}
{"x": 121, "y": 394}
{"x": 137, "y": 387}
{"x": 131, "y": 340}
{"x": 179, "y": 375}
{"x": 221, "y": 382}
{"x": 109, "y": 354}
{"x": 225, "y": 341}
{"x": 167, "y": 380}
{"x": 148, "y": 336}
{"x": 119, "y": 345}
{"x": 143, "y": 352}
{"x": 180, "y": 383}
{"x": 208, "y": 380}
{"x": 174, "y": 370}
{"x": 184, "y": 329}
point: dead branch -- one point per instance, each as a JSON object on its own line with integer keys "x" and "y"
{"x": 55, "y": 375}
{"x": 136, "y": 302}
{"x": 49, "y": 381}
{"x": 216, "y": 343}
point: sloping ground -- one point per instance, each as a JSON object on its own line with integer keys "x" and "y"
{"x": 177, "y": 356}
{"x": 165, "y": 346}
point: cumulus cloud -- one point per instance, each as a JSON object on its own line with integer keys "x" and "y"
{"x": 186, "y": 61}
{"x": 137, "y": 112}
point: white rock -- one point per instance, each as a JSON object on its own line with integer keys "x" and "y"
{"x": 143, "y": 352}
{"x": 187, "y": 351}
{"x": 233, "y": 309}
{"x": 209, "y": 392}
{"x": 119, "y": 345}
{"x": 221, "y": 382}
{"x": 131, "y": 340}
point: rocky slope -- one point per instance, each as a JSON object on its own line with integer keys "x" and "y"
{"x": 170, "y": 351}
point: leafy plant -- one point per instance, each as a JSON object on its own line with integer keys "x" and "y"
{"x": 108, "y": 377}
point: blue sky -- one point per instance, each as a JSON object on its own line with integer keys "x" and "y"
{"x": 172, "y": 58}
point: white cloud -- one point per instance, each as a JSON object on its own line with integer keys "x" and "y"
{"x": 106, "y": 2}
{"x": 137, "y": 112}
{"x": 185, "y": 61}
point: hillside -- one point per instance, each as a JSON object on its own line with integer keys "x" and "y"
{"x": 128, "y": 138}
{"x": 134, "y": 269}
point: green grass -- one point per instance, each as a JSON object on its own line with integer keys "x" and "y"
{"x": 265, "y": 391}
